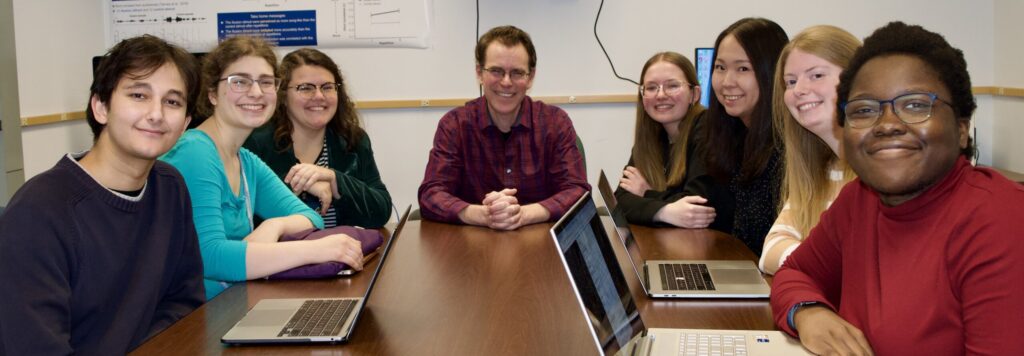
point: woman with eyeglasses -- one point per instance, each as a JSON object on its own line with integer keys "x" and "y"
{"x": 315, "y": 144}
{"x": 805, "y": 117}
{"x": 922, "y": 253}
{"x": 230, "y": 186}
{"x": 668, "y": 105}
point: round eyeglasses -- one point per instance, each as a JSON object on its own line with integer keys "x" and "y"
{"x": 670, "y": 88}
{"x": 911, "y": 108}
{"x": 308, "y": 90}
{"x": 240, "y": 84}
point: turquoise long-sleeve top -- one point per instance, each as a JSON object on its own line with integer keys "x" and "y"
{"x": 221, "y": 217}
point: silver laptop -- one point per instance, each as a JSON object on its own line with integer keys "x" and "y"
{"x": 307, "y": 320}
{"x": 684, "y": 278}
{"x": 607, "y": 304}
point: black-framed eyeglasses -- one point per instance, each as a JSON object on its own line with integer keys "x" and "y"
{"x": 308, "y": 90}
{"x": 242, "y": 84}
{"x": 670, "y": 88}
{"x": 514, "y": 75}
{"x": 911, "y": 108}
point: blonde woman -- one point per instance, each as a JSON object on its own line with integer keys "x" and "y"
{"x": 668, "y": 105}
{"x": 805, "y": 114}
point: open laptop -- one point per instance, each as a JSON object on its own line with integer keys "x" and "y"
{"x": 607, "y": 304}
{"x": 684, "y": 278}
{"x": 298, "y": 320}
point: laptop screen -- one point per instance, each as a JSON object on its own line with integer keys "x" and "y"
{"x": 612, "y": 204}
{"x": 380, "y": 265}
{"x": 597, "y": 278}
{"x": 622, "y": 227}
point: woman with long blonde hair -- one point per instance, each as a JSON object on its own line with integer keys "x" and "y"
{"x": 668, "y": 105}
{"x": 804, "y": 105}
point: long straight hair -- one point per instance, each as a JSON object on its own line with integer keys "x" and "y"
{"x": 736, "y": 147}
{"x": 806, "y": 184}
{"x": 650, "y": 137}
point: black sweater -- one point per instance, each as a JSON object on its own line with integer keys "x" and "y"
{"x": 641, "y": 210}
{"x": 88, "y": 271}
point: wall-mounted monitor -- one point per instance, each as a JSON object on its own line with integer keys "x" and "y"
{"x": 703, "y": 60}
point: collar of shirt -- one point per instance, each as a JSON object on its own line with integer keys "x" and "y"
{"x": 483, "y": 115}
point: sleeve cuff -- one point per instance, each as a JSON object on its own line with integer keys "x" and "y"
{"x": 555, "y": 210}
{"x": 452, "y": 213}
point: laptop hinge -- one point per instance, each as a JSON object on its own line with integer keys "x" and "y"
{"x": 647, "y": 278}
{"x": 644, "y": 345}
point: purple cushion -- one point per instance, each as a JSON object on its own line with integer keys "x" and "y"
{"x": 370, "y": 240}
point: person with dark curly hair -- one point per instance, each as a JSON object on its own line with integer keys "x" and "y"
{"x": 315, "y": 144}
{"x": 922, "y": 253}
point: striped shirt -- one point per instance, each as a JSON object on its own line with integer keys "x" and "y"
{"x": 331, "y": 219}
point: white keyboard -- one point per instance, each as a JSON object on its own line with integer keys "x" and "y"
{"x": 695, "y": 344}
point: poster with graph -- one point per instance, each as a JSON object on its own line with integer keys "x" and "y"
{"x": 199, "y": 25}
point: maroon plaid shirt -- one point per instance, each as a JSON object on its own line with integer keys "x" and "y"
{"x": 470, "y": 159}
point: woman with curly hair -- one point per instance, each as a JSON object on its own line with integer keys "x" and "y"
{"x": 315, "y": 144}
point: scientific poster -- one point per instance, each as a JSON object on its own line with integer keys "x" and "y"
{"x": 199, "y": 25}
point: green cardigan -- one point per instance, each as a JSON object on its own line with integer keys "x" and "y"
{"x": 364, "y": 201}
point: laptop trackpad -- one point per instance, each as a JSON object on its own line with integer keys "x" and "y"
{"x": 267, "y": 318}
{"x": 736, "y": 276}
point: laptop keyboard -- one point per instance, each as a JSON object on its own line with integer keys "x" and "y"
{"x": 319, "y": 318}
{"x": 694, "y": 344}
{"x": 686, "y": 276}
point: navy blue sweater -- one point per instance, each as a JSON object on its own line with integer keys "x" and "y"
{"x": 88, "y": 271}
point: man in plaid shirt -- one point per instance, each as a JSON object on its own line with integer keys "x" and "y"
{"x": 503, "y": 160}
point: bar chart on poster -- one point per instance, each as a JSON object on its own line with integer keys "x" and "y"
{"x": 200, "y": 25}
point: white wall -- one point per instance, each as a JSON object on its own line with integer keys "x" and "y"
{"x": 570, "y": 63}
{"x": 55, "y": 40}
{"x": 1008, "y": 148}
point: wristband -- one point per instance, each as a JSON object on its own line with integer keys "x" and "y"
{"x": 792, "y": 312}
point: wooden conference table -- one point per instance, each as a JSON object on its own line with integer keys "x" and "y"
{"x": 462, "y": 290}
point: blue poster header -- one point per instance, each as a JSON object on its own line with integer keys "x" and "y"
{"x": 280, "y": 28}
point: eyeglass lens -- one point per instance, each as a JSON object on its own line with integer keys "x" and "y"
{"x": 910, "y": 108}
{"x": 241, "y": 84}
{"x": 309, "y": 90}
{"x": 670, "y": 88}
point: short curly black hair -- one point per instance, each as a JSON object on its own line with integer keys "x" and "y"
{"x": 900, "y": 38}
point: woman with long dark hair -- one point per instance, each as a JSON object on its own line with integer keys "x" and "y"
{"x": 741, "y": 172}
